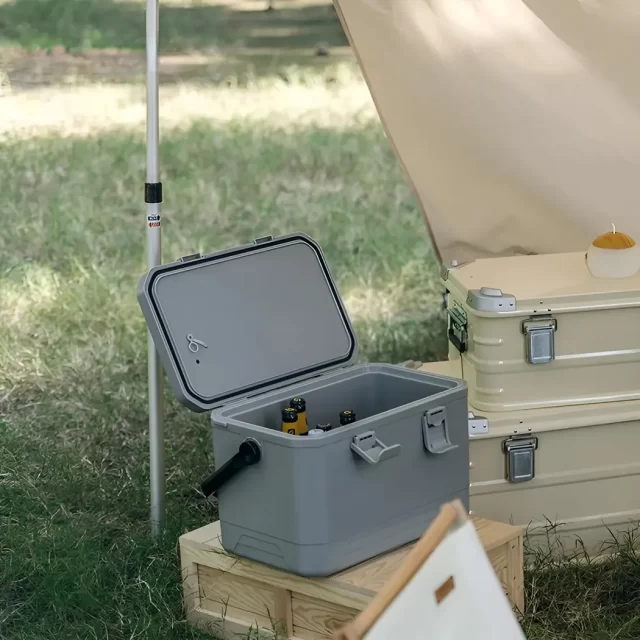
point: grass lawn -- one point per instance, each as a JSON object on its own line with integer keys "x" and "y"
{"x": 259, "y": 136}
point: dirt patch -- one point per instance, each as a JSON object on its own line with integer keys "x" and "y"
{"x": 38, "y": 68}
{"x": 20, "y": 69}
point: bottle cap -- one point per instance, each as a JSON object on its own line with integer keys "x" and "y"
{"x": 289, "y": 415}
{"x": 299, "y": 404}
{"x": 347, "y": 417}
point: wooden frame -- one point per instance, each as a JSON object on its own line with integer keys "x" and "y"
{"x": 451, "y": 516}
{"x": 232, "y": 597}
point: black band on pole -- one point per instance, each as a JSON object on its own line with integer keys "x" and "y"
{"x": 153, "y": 192}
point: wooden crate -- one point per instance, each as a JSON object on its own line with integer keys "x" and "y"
{"x": 236, "y": 598}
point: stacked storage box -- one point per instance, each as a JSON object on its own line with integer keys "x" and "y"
{"x": 551, "y": 357}
{"x": 549, "y": 345}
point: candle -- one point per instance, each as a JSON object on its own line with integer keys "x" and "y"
{"x": 613, "y": 255}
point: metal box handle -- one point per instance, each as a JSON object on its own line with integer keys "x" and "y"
{"x": 435, "y": 431}
{"x": 372, "y": 450}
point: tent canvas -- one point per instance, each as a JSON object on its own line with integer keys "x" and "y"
{"x": 518, "y": 123}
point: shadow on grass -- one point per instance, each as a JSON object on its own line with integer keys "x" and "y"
{"x": 108, "y": 24}
{"x": 75, "y": 41}
{"x": 75, "y": 557}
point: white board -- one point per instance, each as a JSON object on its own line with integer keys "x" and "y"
{"x": 475, "y": 608}
{"x": 446, "y": 589}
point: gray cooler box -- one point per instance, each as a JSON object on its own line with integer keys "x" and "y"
{"x": 241, "y": 332}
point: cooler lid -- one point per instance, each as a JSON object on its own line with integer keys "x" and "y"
{"x": 243, "y": 321}
{"x": 540, "y": 283}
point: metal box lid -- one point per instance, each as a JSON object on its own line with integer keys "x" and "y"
{"x": 538, "y": 284}
{"x": 244, "y": 321}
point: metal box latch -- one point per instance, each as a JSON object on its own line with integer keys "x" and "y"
{"x": 458, "y": 328}
{"x": 540, "y": 343}
{"x": 521, "y": 457}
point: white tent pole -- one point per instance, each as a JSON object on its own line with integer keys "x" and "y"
{"x": 153, "y": 198}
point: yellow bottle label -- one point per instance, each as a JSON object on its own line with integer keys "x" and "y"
{"x": 301, "y": 424}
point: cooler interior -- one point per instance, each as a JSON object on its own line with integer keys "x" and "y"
{"x": 368, "y": 390}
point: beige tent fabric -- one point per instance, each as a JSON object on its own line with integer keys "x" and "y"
{"x": 518, "y": 123}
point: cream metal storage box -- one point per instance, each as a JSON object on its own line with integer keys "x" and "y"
{"x": 541, "y": 331}
{"x": 576, "y": 468}
{"x": 243, "y": 331}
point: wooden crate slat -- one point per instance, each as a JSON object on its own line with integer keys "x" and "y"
{"x": 237, "y": 592}
{"x": 312, "y": 614}
{"x": 289, "y": 607}
{"x": 330, "y": 589}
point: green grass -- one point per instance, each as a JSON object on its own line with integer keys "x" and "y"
{"x": 269, "y": 155}
{"x": 571, "y": 596}
{"x": 76, "y": 557}
{"x": 221, "y": 41}
{"x": 99, "y": 24}
{"x": 72, "y": 41}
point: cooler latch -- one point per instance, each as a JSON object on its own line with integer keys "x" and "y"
{"x": 435, "y": 431}
{"x": 540, "y": 342}
{"x": 520, "y": 452}
{"x": 190, "y": 257}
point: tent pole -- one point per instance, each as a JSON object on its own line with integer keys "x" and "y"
{"x": 153, "y": 198}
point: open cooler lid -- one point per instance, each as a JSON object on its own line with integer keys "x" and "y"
{"x": 516, "y": 122}
{"x": 244, "y": 321}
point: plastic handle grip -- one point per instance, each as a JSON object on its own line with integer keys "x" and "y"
{"x": 248, "y": 454}
{"x": 390, "y": 452}
{"x": 371, "y": 450}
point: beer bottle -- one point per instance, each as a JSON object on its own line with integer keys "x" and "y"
{"x": 300, "y": 405}
{"x": 347, "y": 417}
{"x": 290, "y": 421}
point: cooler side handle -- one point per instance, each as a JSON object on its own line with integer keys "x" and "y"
{"x": 372, "y": 450}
